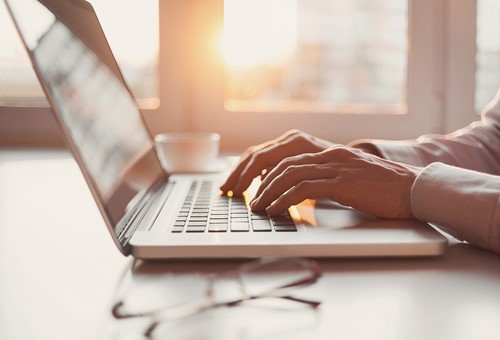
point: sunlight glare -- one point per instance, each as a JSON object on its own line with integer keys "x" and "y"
{"x": 131, "y": 28}
{"x": 259, "y": 31}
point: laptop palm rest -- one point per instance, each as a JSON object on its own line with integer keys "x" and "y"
{"x": 360, "y": 234}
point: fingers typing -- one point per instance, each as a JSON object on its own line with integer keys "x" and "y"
{"x": 309, "y": 189}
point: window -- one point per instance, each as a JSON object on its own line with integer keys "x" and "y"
{"x": 17, "y": 79}
{"x": 322, "y": 55}
{"x": 135, "y": 47}
{"x": 395, "y": 69}
{"x": 132, "y": 30}
{"x": 133, "y": 36}
{"x": 383, "y": 65}
{"x": 488, "y": 51}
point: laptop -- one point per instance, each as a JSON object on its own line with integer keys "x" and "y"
{"x": 151, "y": 214}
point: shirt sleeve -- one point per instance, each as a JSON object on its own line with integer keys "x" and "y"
{"x": 459, "y": 188}
{"x": 464, "y": 203}
{"x": 475, "y": 147}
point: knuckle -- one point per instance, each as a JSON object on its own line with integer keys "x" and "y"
{"x": 340, "y": 151}
{"x": 252, "y": 149}
{"x": 286, "y": 162}
{"x": 294, "y": 132}
{"x": 257, "y": 161}
{"x": 248, "y": 152}
{"x": 289, "y": 134}
{"x": 290, "y": 169}
{"x": 300, "y": 137}
{"x": 304, "y": 185}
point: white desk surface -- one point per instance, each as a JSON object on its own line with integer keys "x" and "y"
{"x": 59, "y": 270}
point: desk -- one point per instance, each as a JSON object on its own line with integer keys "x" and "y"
{"x": 59, "y": 270}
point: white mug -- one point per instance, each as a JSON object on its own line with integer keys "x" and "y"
{"x": 187, "y": 151}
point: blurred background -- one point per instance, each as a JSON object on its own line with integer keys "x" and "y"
{"x": 292, "y": 61}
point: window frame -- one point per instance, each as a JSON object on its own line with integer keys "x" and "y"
{"x": 460, "y": 72}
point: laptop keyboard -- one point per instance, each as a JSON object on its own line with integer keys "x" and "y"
{"x": 202, "y": 211}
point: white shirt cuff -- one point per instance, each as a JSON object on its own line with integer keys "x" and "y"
{"x": 464, "y": 203}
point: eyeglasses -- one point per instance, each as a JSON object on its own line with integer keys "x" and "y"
{"x": 263, "y": 278}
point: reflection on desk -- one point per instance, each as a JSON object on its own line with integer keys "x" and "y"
{"x": 59, "y": 273}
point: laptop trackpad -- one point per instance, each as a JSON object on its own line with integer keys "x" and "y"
{"x": 328, "y": 215}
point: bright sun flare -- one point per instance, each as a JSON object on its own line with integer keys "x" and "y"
{"x": 258, "y": 31}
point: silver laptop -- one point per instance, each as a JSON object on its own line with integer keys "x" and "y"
{"x": 151, "y": 214}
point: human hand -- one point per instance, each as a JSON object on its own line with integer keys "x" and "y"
{"x": 346, "y": 175}
{"x": 261, "y": 158}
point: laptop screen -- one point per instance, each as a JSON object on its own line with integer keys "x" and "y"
{"x": 93, "y": 104}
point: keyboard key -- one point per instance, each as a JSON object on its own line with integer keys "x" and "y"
{"x": 196, "y": 223}
{"x": 199, "y": 215}
{"x": 217, "y": 227}
{"x": 220, "y": 204}
{"x": 259, "y": 217}
{"x": 177, "y": 229}
{"x": 239, "y": 209}
{"x": 239, "y": 220}
{"x": 240, "y": 227}
{"x": 217, "y": 212}
{"x": 285, "y": 228}
{"x": 283, "y": 223}
{"x": 195, "y": 229}
{"x": 198, "y": 219}
{"x": 218, "y": 219}
{"x": 261, "y": 225}
{"x": 200, "y": 210}
{"x": 239, "y": 216}
{"x": 281, "y": 218}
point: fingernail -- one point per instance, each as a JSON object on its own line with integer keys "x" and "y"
{"x": 253, "y": 203}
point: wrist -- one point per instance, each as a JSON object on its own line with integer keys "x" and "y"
{"x": 366, "y": 147}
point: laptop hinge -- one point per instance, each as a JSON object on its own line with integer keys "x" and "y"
{"x": 145, "y": 212}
